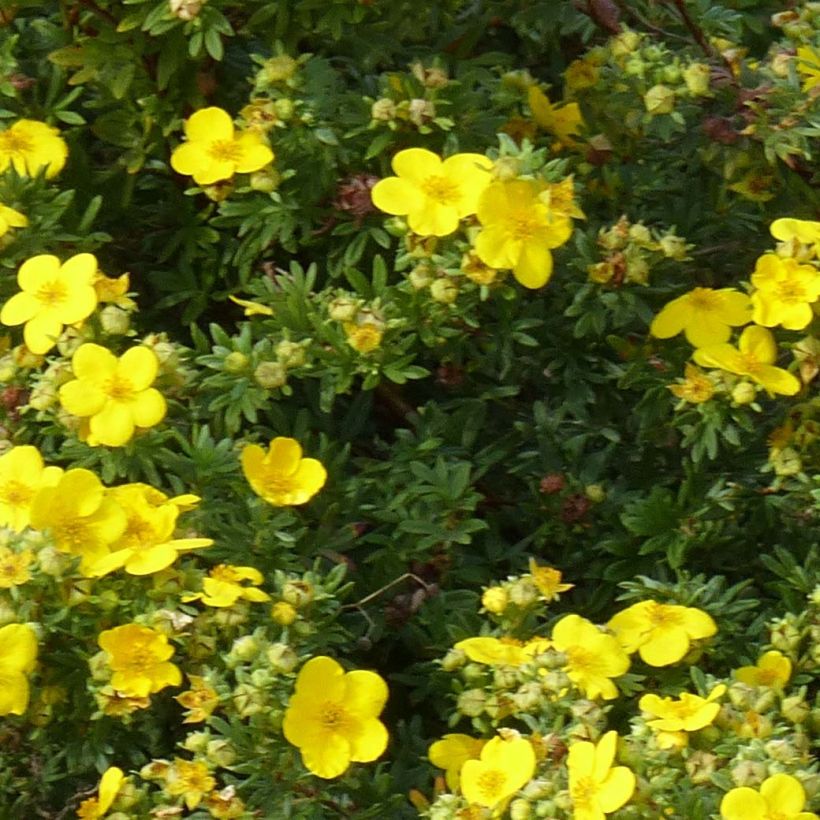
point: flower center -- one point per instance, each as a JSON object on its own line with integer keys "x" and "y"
{"x": 583, "y": 793}
{"x": 332, "y": 715}
{"x": 491, "y": 783}
{"x": 524, "y": 225}
{"x": 16, "y": 494}
{"x": 660, "y": 615}
{"x": 790, "y": 291}
{"x": 580, "y": 660}
{"x": 120, "y": 388}
{"x": 441, "y": 189}
{"x": 74, "y": 534}
{"x": 51, "y": 294}
{"x": 225, "y": 151}
{"x": 704, "y": 299}
{"x": 750, "y": 365}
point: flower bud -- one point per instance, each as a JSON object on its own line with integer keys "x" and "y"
{"x": 420, "y": 277}
{"x": 298, "y": 593}
{"x": 270, "y": 375}
{"x": 795, "y": 709}
{"x": 114, "y": 320}
{"x": 660, "y": 99}
{"x": 290, "y": 354}
{"x": 453, "y": 660}
{"x": 196, "y": 742}
{"x": 744, "y": 393}
{"x": 383, "y": 110}
{"x": 245, "y": 648}
{"x": 673, "y": 247}
{"x": 283, "y": 613}
{"x": 235, "y": 362}
{"x": 523, "y": 592}
{"x": 185, "y": 9}
{"x": 595, "y": 493}
{"x": 785, "y": 635}
{"x": 265, "y": 181}
{"x": 278, "y": 69}
{"x": 495, "y": 600}
{"x": 221, "y": 753}
{"x": 471, "y": 702}
{"x": 343, "y": 309}
{"x": 282, "y": 658}
{"x": 749, "y": 773}
{"x": 520, "y": 810}
{"x": 444, "y": 291}
{"x": 696, "y": 77}
{"x": 284, "y": 109}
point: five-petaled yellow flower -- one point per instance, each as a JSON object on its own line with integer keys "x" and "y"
{"x": 706, "y": 316}
{"x": 224, "y": 586}
{"x": 673, "y": 719}
{"x": 138, "y": 657}
{"x": 518, "y": 229}
{"x": 52, "y": 295}
{"x": 548, "y": 581}
{"x": 213, "y": 151}
{"x": 593, "y": 656}
{"x": 452, "y": 752}
{"x": 505, "y": 766}
{"x": 115, "y": 393}
{"x": 22, "y": 474}
{"x": 781, "y": 797}
{"x": 753, "y": 357}
{"x": 333, "y": 717}
{"x": 660, "y": 633}
{"x": 281, "y": 476}
{"x": 191, "y": 780}
{"x": 595, "y": 787}
{"x": 18, "y": 653}
{"x": 433, "y": 194}
{"x": 96, "y": 807}
{"x": 773, "y": 669}
{"x": 785, "y": 292}
{"x": 29, "y": 146}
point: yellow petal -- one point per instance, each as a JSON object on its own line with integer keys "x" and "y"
{"x": 189, "y": 157}
{"x": 397, "y": 196}
{"x": 209, "y": 125}
{"x": 759, "y": 343}
{"x": 416, "y": 164}
{"x": 673, "y": 318}
{"x": 81, "y": 398}
{"x": 20, "y": 308}
{"x": 328, "y": 758}
{"x": 534, "y": 266}
{"x": 38, "y": 271}
{"x": 41, "y": 332}
{"x": 743, "y": 804}
{"x": 80, "y": 269}
{"x": 368, "y": 740}
{"x": 366, "y": 693}
{"x": 139, "y": 365}
{"x": 284, "y": 455}
{"x": 777, "y": 380}
{"x": 616, "y": 789}
{"x": 148, "y": 408}
{"x": 254, "y": 153}
{"x": 93, "y": 363}
{"x": 112, "y": 426}
{"x": 783, "y": 793}
{"x": 434, "y": 219}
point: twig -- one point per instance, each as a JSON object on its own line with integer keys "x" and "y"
{"x": 694, "y": 29}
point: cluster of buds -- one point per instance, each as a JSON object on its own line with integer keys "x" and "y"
{"x": 630, "y": 251}
{"x": 363, "y": 324}
{"x": 186, "y": 10}
{"x": 289, "y": 356}
{"x": 417, "y": 111}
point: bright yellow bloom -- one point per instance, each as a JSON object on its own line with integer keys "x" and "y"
{"x": 519, "y": 229}
{"x": 696, "y": 387}
{"x": 18, "y": 653}
{"x": 452, "y": 752}
{"x": 147, "y": 545}
{"x": 332, "y": 717}
{"x": 595, "y": 787}
{"x": 563, "y": 121}
{"x": 22, "y": 474}
{"x": 433, "y": 194}
{"x": 785, "y": 292}
{"x": 96, "y": 807}
{"x": 281, "y": 476}
{"x": 199, "y": 701}
{"x": 502, "y": 651}
{"x": 30, "y": 146}
{"x": 138, "y": 657}
{"x": 705, "y": 315}
{"x": 115, "y": 393}
{"x": 548, "y": 581}
{"x": 674, "y": 718}
{"x": 9, "y": 218}
{"x": 364, "y": 337}
{"x": 754, "y": 358}
{"x": 213, "y": 151}
{"x": 781, "y": 797}
{"x": 82, "y": 520}
{"x": 808, "y": 67}
{"x": 661, "y": 633}
{"x": 593, "y": 657}
{"x": 52, "y": 296}
{"x": 805, "y": 231}
{"x": 224, "y": 586}
{"x": 189, "y": 779}
{"x": 773, "y": 669}
{"x": 14, "y": 567}
{"x": 504, "y": 767}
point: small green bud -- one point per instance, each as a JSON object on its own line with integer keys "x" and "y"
{"x": 444, "y": 291}
{"x": 235, "y": 362}
{"x": 270, "y": 375}
{"x": 660, "y": 99}
{"x": 265, "y": 181}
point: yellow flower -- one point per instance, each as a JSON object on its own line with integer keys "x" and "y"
{"x": 452, "y": 752}
{"x": 519, "y": 229}
{"x": 502, "y": 651}
{"x": 9, "y": 218}
{"x": 563, "y": 121}
{"x": 281, "y": 476}
{"x": 705, "y": 315}
{"x": 224, "y": 586}
{"x": 504, "y": 767}
{"x": 225, "y": 805}
{"x": 96, "y": 807}
{"x": 696, "y": 388}
{"x": 22, "y": 474}
{"x": 495, "y": 600}
{"x": 785, "y": 292}
{"x": 147, "y": 544}
{"x": 115, "y": 393}
{"x": 113, "y": 291}
{"x": 661, "y": 633}
{"x": 18, "y": 653}
{"x": 213, "y": 151}
{"x": 30, "y": 146}
{"x": 138, "y": 657}
{"x": 81, "y": 519}
{"x": 754, "y": 358}
{"x": 581, "y": 74}
{"x": 593, "y": 657}
{"x": 191, "y": 780}
{"x": 773, "y": 669}
{"x": 548, "y": 581}
{"x": 199, "y": 701}
{"x": 804, "y": 231}
{"x": 595, "y": 787}
{"x": 433, "y": 194}
{"x": 365, "y": 337}
{"x": 559, "y": 197}
{"x": 332, "y": 717}
{"x": 283, "y": 613}
{"x": 52, "y": 296}
{"x": 14, "y": 567}
{"x": 674, "y": 718}
{"x": 781, "y": 797}
{"x": 808, "y": 67}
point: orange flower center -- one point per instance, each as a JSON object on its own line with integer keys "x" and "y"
{"x": 332, "y": 716}
{"x": 524, "y": 225}
{"x": 119, "y": 388}
{"x": 580, "y": 659}
{"x": 74, "y": 533}
{"x": 490, "y": 784}
{"x": 16, "y": 494}
{"x": 791, "y": 291}
{"x": 750, "y": 364}
{"x": 583, "y": 793}
{"x": 225, "y": 151}
{"x": 442, "y": 190}
{"x": 704, "y": 299}
{"x": 13, "y": 142}
{"x": 51, "y": 294}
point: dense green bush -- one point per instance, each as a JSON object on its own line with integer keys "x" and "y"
{"x": 532, "y": 287}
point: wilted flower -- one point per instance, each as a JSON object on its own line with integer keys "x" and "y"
{"x": 548, "y": 581}
{"x": 189, "y": 779}
{"x": 696, "y": 387}
{"x": 502, "y": 651}
{"x": 224, "y": 586}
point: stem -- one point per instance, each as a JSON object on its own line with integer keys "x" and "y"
{"x": 694, "y": 29}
